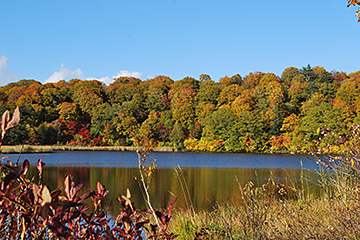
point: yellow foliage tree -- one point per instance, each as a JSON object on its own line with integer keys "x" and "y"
{"x": 291, "y": 123}
{"x": 244, "y": 102}
{"x": 229, "y": 94}
{"x": 68, "y": 112}
{"x": 204, "y": 144}
{"x": 203, "y": 110}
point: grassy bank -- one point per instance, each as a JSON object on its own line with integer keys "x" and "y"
{"x": 267, "y": 213}
{"x": 47, "y": 149}
{"x": 26, "y": 148}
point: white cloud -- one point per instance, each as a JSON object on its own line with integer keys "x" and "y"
{"x": 64, "y": 74}
{"x": 6, "y": 75}
{"x": 123, "y": 73}
{"x": 3, "y": 62}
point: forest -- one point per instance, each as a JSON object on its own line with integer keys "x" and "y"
{"x": 260, "y": 112}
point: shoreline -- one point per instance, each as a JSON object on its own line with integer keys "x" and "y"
{"x": 49, "y": 149}
{"x": 26, "y": 148}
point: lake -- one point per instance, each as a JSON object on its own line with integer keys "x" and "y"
{"x": 209, "y": 177}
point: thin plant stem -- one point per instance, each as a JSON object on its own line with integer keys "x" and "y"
{"x": 184, "y": 188}
{"x": 146, "y": 187}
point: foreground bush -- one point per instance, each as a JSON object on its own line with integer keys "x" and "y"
{"x": 29, "y": 210}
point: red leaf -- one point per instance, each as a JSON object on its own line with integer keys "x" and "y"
{"x": 15, "y": 119}
{"x": 87, "y": 195}
{"x": 122, "y": 232}
{"x": 141, "y": 224}
{"x": 26, "y": 165}
{"x": 75, "y": 190}
{"x": 100, "y": 188}
{"x": 55, "y": 193}
{"x": 170, "y": 206}
{"x": 148, "y": 211}
{"x": 40, "y": 165}
{"x": 73, "y": 215}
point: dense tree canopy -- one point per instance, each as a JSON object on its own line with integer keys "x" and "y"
{"x": 260, "y": 112}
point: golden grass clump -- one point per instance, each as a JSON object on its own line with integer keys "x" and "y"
{"x": 267, "y": 212}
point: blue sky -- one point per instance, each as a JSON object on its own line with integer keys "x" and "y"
{"x": 54, "y": 40}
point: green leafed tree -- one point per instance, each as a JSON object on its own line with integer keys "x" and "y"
{"x": 177, "y": 135}
{"x": 103, "y": 115}
{"x": 313, "y": 114}
{"x": 47, "y": 134}
{"x": 87, "y": 98}
{"x": 218, "y": 124}
{"x": 209, "y": 90}
{"x": 123, "y": 89}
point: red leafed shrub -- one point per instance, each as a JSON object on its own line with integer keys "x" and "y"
{"x": 97, "y": 142}
{"x": 280, "y": 142}
{"x": 31, "y": 211}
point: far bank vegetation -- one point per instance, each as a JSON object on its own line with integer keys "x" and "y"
{"x": 261, "y": 112}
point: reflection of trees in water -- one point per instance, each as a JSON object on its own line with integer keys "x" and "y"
{"x": 206, "y": 185}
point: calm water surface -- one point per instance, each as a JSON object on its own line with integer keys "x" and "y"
{"x": 209, "y": 177}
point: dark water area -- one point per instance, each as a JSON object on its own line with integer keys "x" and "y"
{"x": 209, "y": 177}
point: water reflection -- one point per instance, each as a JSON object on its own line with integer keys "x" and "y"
{"x": 206, "y": 185}
{"x": 209, "y": 178}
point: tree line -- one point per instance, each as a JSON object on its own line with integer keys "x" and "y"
{"x": 260, "y": 112}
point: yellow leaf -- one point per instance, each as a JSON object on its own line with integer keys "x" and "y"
{"x": 67, "y": 185}
{"x": 46, "y": 196}
{"x": 22, "y": 228}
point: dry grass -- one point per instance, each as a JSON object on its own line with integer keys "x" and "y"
{"x": 265, "y": 214}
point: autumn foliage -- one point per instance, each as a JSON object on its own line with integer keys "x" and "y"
{"x": 354, "y": 3}
{"x": 260, "y": 112}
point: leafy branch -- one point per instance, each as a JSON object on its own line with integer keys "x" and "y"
{"x": 354, "y": 3}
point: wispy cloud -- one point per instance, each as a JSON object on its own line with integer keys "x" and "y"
{"x": 123, "y": 73}
{"x": 3, "y": 62}
{"x": 6, "y": 75}
{"x": 64, "y": 74}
